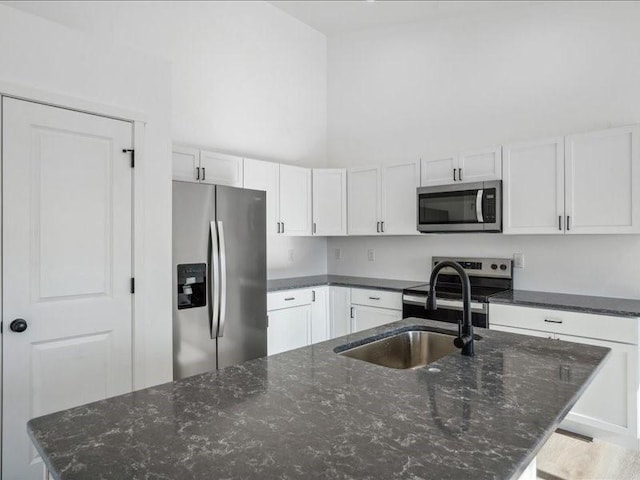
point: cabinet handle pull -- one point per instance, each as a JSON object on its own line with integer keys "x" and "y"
{"x": 559, "y": 222}
{"x": 282, "y": 227}
{"x": 454, "y": 174}
{"x": 351, "y": 314}
{"x": 289, "y": 299}
{"x": 204, "y": 171}
{"x": 314, "y": 227}
{"x": 278, "y": 223}
{"x": 548, "y": 320}
{"x": 382, "y": 227}
{"x": 197, "y": 173}
{"x": 568, "y": 223}
{"x": 460, "y": 174}
{"x": 378, "y": 227}
{"x": 374, "y": 298}
{"x": 313, "y": 295}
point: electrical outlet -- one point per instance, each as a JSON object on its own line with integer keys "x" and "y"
{"x": 518, "y": 260}
{"x": 371, "y": 255}
{"x": 291, "y": 254}
{"x": 337, "y": 253}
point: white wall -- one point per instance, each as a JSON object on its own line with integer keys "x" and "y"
{"x": 62, "y": 61}
{"x": 490, "y": 78}
{"x": 248, "y": 79}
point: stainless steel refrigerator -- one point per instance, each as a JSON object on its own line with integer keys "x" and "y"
{"x": 219, "y": 277}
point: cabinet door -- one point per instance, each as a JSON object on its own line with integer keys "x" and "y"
{"x": 602, "y": 174}
{"x": 289, "y": 328}
{"x": 329, "y": 201}
{"x": 259, "y": 175}
{"x": 295, "y": 200}
{"x": 610, "y": 401}
{"x": 320, "y": 325}
{"x": 220, "y": 169}
{"x": 364, "y": 200}
{"x": 339, "y": 311}
{"x": 480, "y": 165}
{"x": 440, "y": 171}
{"x": 186, "y": 163}
{"x": 533, "y": 187}
{"x": 399, "y": 184}
{"x": 370, "y": 317}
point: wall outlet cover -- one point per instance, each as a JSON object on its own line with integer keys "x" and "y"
{"x": 337, "y": 253}
{"x": 371, "y": 255}
{"x": 291, "y": 254}
{"x": 518, "y": 260}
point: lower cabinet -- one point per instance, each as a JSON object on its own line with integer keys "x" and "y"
{"x": 320, "y": 325}
{"x": 369, "y": 317}
{"x": 608, "y": 409}
{"x": 339, "y": 311}
{"x": 289, "y": 328}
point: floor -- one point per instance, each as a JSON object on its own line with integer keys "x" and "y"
{"x": 567, "y": 458}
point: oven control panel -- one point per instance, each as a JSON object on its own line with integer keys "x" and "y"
{"x": 480, "y": 267}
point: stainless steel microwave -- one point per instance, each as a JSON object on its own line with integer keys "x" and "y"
{"x": 461, "y": 207}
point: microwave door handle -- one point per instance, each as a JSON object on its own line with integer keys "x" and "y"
{"x": 479, "y": 196}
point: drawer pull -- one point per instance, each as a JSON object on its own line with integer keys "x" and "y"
{"x": 552, "y": 321}
{"x": 289, "y": 299}
{"x": 374, "y": 298}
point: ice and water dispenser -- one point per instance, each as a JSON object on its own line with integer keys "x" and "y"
{"x": 192, "y": 285}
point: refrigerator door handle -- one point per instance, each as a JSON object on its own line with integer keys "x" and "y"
{"x": 214, "y": 280}
{"x": 223, "y": 280}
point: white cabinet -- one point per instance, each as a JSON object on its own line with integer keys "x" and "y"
{"x": 399, "y": 184}
{"x": 329, "y": 201}
{"x": 289, "y": 328}
{"x": 382, "y": 200}
{"x": 602, "y": 175}
{"x": 533, "y": 187}
{"x": 295, "y": 200}
{"x": 339, "y": 311}
{"x": 220, "y": 169}
{"x": 608, "y": 409}
{"x": 369, "y": 317}
{"x": 320, "y": 324}
{"x": 364, "y": 200}
{"x": 191, "y": 164}
{"x": 259, "y": 175}
{"x": 469, "y": 166}
{"x": 579, "y": 184}
{"x": 288, "y": 195}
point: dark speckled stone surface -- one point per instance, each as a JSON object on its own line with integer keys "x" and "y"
{"x": 310, "y": 413}
{"x": 621, "y": 307}
{"x": 340, "y": 280}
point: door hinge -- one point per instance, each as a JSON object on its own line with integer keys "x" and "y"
{"x": 133, "y": 285}
{"x": 133, "y": 155}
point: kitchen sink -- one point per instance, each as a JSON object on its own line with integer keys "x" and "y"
{"x": 408, "y": 349}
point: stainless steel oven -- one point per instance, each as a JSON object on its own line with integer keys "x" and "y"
{"x": 465, "y": 207}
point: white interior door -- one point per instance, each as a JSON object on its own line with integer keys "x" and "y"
{"x": 364, "y": 200}
{"x": 399, "y": 199}
{"x": 329, "y": 201}
{"x": 295, "y": 200}
{"x": 260, "y": 175}
{"x": 67, "y": 256}
{"x": 533, "y": 187}
{"x": 602, "y": 175}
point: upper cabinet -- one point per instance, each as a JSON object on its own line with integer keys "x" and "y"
{"x": 533, "y": 187}
{"x": 382, "y": 200}
{"x": 191, "y": 164}
{"x": 602, "y": 181}
{"x": 288, "y": 195}
{"x": 470, "y": 166}
{"x": 579, "y": 184}
{"x": 329, "y": 201}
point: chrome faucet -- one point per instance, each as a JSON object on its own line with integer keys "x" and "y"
{"x": 464, "y": 340}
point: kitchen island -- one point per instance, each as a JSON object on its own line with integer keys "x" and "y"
{"x": 312, "y": 413}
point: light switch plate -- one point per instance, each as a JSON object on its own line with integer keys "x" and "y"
{"x": 518, "y": 260}
{"x": 371, "y": 255}
{"x": 337, "y": 253}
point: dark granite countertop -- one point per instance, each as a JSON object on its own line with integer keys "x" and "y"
{"x": 621, "y": 307}
{"x": 310, "y": 413}
{"x": 340, "y": 280}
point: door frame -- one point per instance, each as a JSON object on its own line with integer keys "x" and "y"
{"x": 138, "y": 122}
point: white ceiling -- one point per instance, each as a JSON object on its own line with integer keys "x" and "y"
{"x": 331, "y": 17}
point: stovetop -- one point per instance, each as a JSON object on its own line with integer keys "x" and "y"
{"x": 452, "y": 291}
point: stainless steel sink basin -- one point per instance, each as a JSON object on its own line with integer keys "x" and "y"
{"x": 409, "y": 349}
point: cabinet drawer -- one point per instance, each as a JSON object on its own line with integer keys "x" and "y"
{"x": 376, "y": 298}
{"x": 604, "y": 327}
{"x": 288, "y": 298}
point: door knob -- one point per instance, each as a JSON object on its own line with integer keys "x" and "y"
{"x": 19, "y": 325}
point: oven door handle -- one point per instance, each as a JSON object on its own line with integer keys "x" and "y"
{"x": 479, "y": 196}
{"x": 476, "y": 307}
{"x": 414, "y": 300}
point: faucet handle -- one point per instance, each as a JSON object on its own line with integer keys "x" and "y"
{"x": 465, "y": 343}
